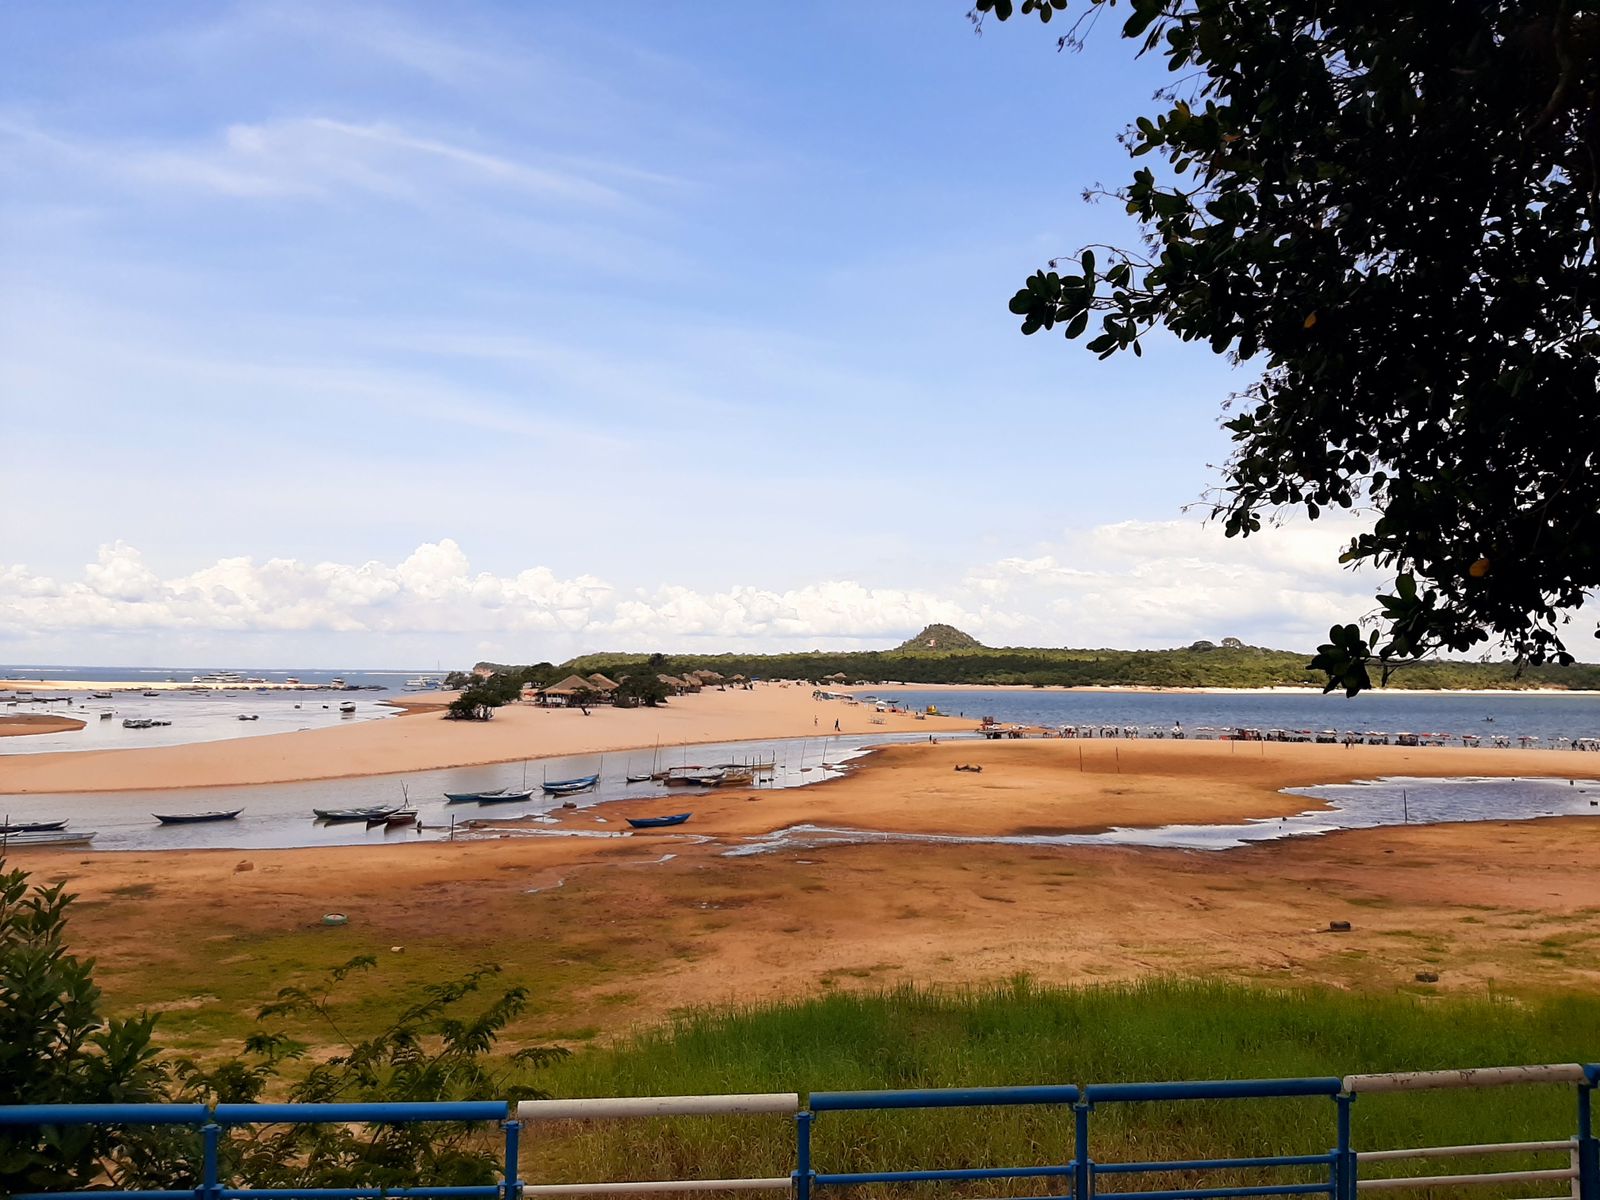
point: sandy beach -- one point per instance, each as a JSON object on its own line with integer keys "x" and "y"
{"x": 704, "y": 928}
{"x": 424, "y": 740}
{"x": 22, "y": 724}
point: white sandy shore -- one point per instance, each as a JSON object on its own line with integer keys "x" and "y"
{"x": 423, "y": 740}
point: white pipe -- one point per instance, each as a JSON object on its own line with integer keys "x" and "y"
{"x": 657, "y": 1185}
{"x": 1428, "y": 1181}
{"x": 1452, "y": 1151}
{"x": 1406, "y": 1081}
{"x": 658, "y": 1106}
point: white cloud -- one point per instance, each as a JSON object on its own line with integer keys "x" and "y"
{"x": 1124, "y": 584}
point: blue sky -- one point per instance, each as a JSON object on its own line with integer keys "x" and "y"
{"x": 384, "y": 334}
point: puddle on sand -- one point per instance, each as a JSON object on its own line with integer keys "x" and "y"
{"x": 1397, "y": 800}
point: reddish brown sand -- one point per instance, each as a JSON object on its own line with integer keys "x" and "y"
{"x": 609, "y": 935}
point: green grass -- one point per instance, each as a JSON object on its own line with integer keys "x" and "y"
{"x": 1018, "y": 1034}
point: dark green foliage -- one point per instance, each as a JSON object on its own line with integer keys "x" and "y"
{"x": 1392, "y": 208}
{"x": 55, "y": 1046}
{"x": 431, "y": 1051}
{"x": 1225, "y": 665}
{"x": 641, "y": 688}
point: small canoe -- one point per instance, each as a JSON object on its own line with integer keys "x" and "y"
{"x": 338, "y": 815}
{"x": 505, "y": 797}
{"x": 470, "y": 797}
{"x": 695, "y": 779}
{"x": 11, "y": 827}
{"x": 406, "y": 816}
{"x": 565, "y": 787}
{"x": 658, "y": 822}
{"x": 640, "y": 778}
{"x": 52, "y": 837}
{"x": 197, "y": 818}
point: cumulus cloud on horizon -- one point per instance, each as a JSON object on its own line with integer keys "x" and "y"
{"x": 1131, "y": 583}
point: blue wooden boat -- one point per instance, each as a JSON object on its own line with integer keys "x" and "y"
{"x": 470, "y": 797}
{"x": 658, "y": 822}
{"x": 566, "y": 787}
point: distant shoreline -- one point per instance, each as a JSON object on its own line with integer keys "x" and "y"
{"x": 1152, "y": 689}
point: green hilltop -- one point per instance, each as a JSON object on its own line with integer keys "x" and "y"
{"x": 940, "y": 637}
{"x": 958, "y": 658}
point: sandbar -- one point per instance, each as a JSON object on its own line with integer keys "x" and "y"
{"x": 22, "y": 724}
{"x": 426, "y": 741}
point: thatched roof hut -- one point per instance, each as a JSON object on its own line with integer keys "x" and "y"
{"x": 601, "y": 684}
{"x": 570, "y": 686}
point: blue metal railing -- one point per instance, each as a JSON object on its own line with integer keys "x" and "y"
{"x": 1071, "y": 1179}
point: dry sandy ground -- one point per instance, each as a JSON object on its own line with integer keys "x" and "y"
{"x": 426, "y": 741}
{"x": 610, "y": 935}
{"x": 23, "y": 724}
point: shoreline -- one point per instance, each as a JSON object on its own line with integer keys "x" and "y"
{"x": 1134, "y": 689}
{"x": 517, "y": 733}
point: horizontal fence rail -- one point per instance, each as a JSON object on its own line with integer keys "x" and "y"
{"x": 1073, "y": 1176}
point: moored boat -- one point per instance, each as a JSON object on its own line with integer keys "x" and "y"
{"x": 509, "y": 796}
{"x": 9, "y": 827}
{"x": 566, "y": 787}
{"x": 197, "y": 818}
{"x": 53, "y": 837}
{"x": 378, "y": 812}
{"x": 658, "y": 822}
{"x": 469, "y": 797}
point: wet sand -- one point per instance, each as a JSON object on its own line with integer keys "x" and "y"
{"x": 22, "y": 724}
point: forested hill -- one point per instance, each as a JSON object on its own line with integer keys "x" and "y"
{"x": 1200, "y": 665}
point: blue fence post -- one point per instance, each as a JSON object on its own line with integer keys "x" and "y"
{"x": 210, "y": 1165}
{"x": 1588, "y": 1145}
{"x": 511, "y": 1186}
{"x": 802, "y": 1155}
{"x": 1082, "y": 1165}
{"x": 1344, "y": 1157}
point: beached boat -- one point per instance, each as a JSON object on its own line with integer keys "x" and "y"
{"x": 694, "y": 778}
{"x": 197, "y": 818}
{"x": 469, "y": 797}
{"x": 10, "y": 827}
{"x": 658, "y": 822}
{"x": 566, "y": 787}
{"x": 54, "y": 837}
{"x": 509, "y": 796}
{"x": 379, "y": 812}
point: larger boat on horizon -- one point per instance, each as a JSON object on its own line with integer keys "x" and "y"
{"x": 422, "y": 682}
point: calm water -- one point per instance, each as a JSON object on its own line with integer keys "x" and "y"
{"x": 1365, "y": 805}
{"x": 279, "y": 815}
{"x": 1544, "y": 715}
{"x": 195, "y": 717}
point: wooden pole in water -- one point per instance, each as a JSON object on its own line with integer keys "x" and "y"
{"x": 1405, "y": 806}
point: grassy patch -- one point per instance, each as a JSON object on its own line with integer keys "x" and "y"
{"x": 915, "y": 1038}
